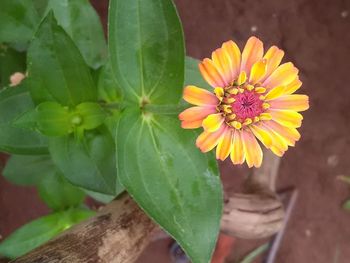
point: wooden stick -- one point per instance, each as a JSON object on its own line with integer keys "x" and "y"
{"x": 118, "y": 233}
{"x": 264, "y": 178}
{"x": 258, "y": 212}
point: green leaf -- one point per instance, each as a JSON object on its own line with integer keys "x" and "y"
{"x": 89, "y": 163}
{"x": 108, "y": 88}
{"x": 28, "y": 170}
{"x": 59, "y": 194}
{"x": 39, "y": 231}
{"x": 193, "y": 75}
{"x": 40, "y": 6}
{"x": 56, "y": 68}
{"x": 14, "y": 102}
{"x": 103, "y": 198}
{"x": 146, "y": 48}
{"x": 83, "y": 25}
{"x": 53, "y": 119}
{"x": 11, "y": 62}
{"x": 176, "y": 184}
{"x": 18, "y": 20}
{"x": 92, "y": 115}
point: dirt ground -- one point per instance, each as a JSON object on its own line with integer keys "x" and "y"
{"x": 315, "y": 34}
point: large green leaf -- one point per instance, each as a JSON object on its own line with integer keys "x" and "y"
{"x": 59, "y": 194}
{"x": 57, "y": 71}
{"x": 28, "y": 170}
{"x": 39, "y": 231}
{"x": 11, "y": 61}
{"x": 18, "y": 20}
{"x": 107, "y": 85}
{"x": 14, "y": 102}
{"x": 146, "y": 49}
{"x": 176, "y": 184}
{"x": 89, "y": 163}
{"x": 82, "y": 23}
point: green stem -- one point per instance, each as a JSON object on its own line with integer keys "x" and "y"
{"x": 255, "y": 253}
{"x": 167, "y": 109}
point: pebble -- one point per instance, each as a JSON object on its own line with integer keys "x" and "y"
{"x": 344, "y": 13}
{"x": 333, "y": 160}
{"x": 254, "y": 28}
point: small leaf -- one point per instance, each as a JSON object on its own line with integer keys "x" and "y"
{"x": 57, "y": 71}
{"x": 146, "y": 48}
{"x": 81, "y": 22}
{"x": 59, "y": 194}
{"x": 28, "y": 170}
{"x": 92, "y": 115}
{"x": 90, "y": 163}
{"x": 18, "y": 20}
{"x": 53, "y": 119}
{"x": 176, "y": 184}
{"x": 103, "y": 198}
{"x": 14, "y": 102}
{"x": 39, "y": 231}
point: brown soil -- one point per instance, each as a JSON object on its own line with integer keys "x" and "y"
{"x": 315, "y": 36}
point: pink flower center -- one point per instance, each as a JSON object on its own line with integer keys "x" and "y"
{"x": 247, "y": 105}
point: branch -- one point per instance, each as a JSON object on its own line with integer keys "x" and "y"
{"x": 258, "y": 212}
{"x": 118, "y": 233}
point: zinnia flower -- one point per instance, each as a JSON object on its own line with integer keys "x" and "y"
{"x": 252, "y": 99}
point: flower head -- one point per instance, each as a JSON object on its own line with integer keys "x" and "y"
{"x": 252, "y": 98}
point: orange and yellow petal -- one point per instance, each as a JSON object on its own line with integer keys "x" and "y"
{"x": 225, "y": 144}
{"x": 290, "y": 135}
{"x": 264, "y": 135}
{"x": 293, "y": 86}
{"x": 211, "y": 74}
{"x": 206, "y": 141}
{"x": 231, "y": 49}
{"x": 196, "y": 113}
{"x": 275, "y": 93}
{"x": 295, "y": 102}
{"x": 237, "y": 153}
{"x": 274, "y": 57}
{"x": 252, "y": 52}
{"x": 198, "y": 96}
{"x": 222, "y": 62}
{"x": 193, "y": 117}
{"x": 278, "y": 144}
{"x": 213, "y": 122}
{"x": 258, "y": 71}
{"x": 288, "y": 118}
{"x": 282, "y": 76}
{"x": 252, "y": 149}
{"x": 191, "y": 124}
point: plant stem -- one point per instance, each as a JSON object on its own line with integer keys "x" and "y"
{"x": 167, "y": 109}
